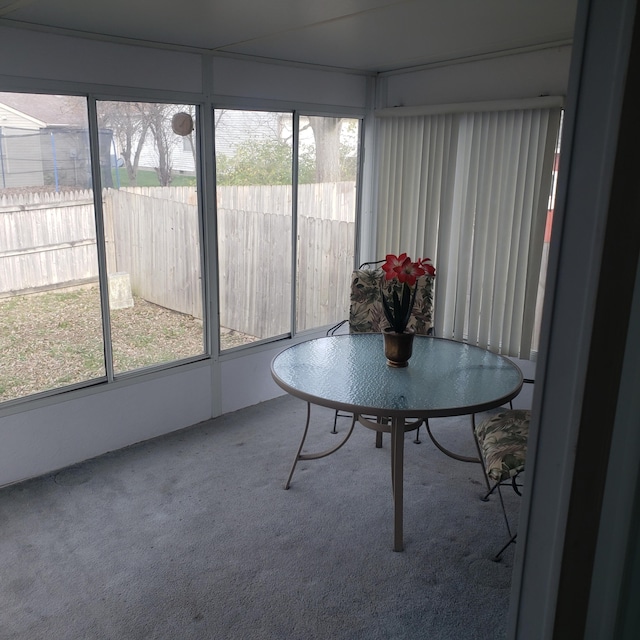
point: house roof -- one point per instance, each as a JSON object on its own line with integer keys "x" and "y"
{"x": 53, "y": 110}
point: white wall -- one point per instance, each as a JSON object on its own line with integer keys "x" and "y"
{"x": 524, "y": 75}
{"x": 50, "y": 57}
{"x": 248, "y": 377}
{"x": 51, "y": 435}
{"x": 47, "y": 434}
{"x": 289, "y": 84}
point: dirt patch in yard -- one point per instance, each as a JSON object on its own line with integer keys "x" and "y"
{"x": 54, "y": 339}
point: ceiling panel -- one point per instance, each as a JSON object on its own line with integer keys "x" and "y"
{"x": 417, "y": 33}
{"x": 368, "y": 35}
{"x": 200, "y": 23}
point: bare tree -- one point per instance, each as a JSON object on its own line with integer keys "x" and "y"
{"x": 130, "y": 128}
{"x": 156, "y": 117}
{"x": 134, "y": 123}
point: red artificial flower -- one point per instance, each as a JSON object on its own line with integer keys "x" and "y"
{"x": 427, "y": 265}
{"x": 401, "y": 268}
{"x": 410, "y": 272}
{"x": 394, "y": 264}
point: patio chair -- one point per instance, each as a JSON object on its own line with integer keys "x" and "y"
{"x": 502, "y": 447}
{"x": 366, "y": 314}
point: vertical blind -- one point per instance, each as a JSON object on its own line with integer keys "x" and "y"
{"x": 470, "y": 191}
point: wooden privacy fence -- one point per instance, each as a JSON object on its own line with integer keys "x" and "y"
{"x": 156, "y": 241}
{"x": 47, "y": 241}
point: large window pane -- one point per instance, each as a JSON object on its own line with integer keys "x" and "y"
{"x": 51, "y": 332}
{"x": 254, "y": 178}
{"x": 50, "y": 319}
{"x": 328, "y": 166}
{"x": 152, "y": 233}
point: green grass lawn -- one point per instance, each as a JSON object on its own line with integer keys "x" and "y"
{"x": 147, "y": 178}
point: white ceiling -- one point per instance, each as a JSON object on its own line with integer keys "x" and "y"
{"x": 365, "y": 35}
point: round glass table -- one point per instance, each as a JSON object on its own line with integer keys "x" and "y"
{"x": 349, "y": 372}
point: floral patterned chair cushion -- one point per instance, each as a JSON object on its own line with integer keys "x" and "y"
{"x": 366, "y": 313}
{"x": 503, "y": 443}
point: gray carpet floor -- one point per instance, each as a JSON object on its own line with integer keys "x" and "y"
{"x": 192, "y": 536}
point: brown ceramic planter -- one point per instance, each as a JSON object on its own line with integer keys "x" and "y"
{"x": 398, "y": 346}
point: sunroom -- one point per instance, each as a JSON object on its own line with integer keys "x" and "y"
{"x": 176, "y": 214}
{"x": 204, "y": 254}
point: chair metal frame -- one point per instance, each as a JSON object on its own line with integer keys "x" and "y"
{"x": 512, "y": 481}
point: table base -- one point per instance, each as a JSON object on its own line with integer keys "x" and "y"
{"x": 397, "y": 427}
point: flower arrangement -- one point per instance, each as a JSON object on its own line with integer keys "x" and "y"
{"x": 398, "y": 306}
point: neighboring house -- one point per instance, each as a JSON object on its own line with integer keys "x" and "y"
{"x": 21, "y": 162}
{"x": 39, "y": 147}
{"x": 234, "y": 128}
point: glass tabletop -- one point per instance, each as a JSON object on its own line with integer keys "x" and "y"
{"x": 349, "y": 371}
